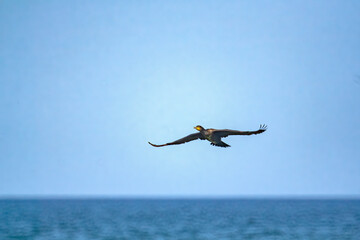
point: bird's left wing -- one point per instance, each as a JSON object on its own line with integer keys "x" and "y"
{"x": 188, "y": 138}
{"x": 228, "y": 132}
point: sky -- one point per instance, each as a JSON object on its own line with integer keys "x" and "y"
{"x": 84, "y": 85}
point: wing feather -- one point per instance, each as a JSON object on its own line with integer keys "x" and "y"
{"x": 188, "y": 138}
{"x": 228, "y": 132}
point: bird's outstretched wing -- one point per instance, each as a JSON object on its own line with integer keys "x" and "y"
{"x": 228, "y": 132}
{"x": 188, "y": 138}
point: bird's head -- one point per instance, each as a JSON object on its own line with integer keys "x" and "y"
{"x": 199, "y": 128}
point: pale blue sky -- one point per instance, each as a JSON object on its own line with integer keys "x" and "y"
{"x": 85, "y": 84}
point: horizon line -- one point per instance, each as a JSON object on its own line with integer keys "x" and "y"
{"x": 180, "y": 197}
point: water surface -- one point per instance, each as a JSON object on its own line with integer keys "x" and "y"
{"x": 179, "y": 219}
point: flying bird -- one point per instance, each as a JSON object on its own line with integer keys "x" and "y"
{"x": 212, "y": 135}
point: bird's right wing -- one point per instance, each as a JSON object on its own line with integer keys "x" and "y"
{"x": 188, "y": 138}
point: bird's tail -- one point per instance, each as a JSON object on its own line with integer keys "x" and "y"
{"x": 221, "y": 144}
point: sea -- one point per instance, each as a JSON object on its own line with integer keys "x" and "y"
{"x": 205, "y": 219}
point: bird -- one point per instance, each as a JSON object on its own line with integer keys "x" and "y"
{"x": 212, "y": 135}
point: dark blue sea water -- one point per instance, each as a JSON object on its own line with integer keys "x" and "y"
{"x": 179, "y": 219}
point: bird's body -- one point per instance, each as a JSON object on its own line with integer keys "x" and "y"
{"x": 212, "y": 135}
